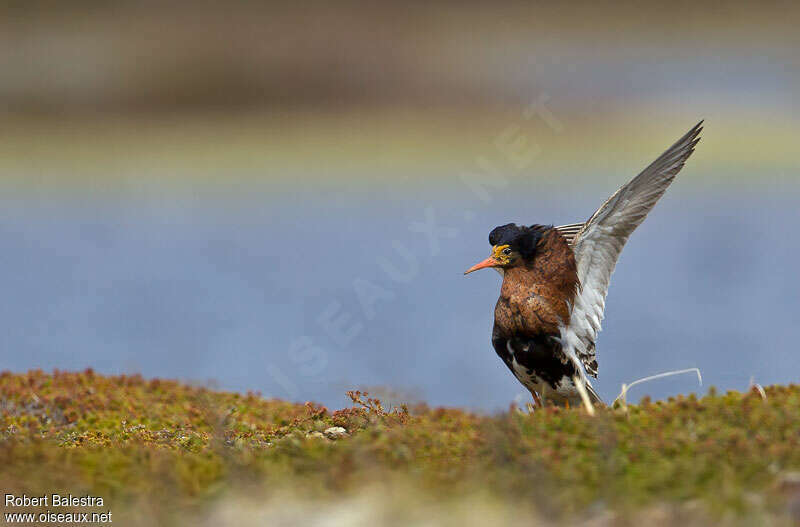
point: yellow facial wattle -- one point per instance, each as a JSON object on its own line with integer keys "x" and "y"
{"x": 497, "y": 254}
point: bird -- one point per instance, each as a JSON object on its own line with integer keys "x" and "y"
{"x": 555, "y": 281}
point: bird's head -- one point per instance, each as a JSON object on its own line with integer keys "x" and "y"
{"x": 512, "y": 245}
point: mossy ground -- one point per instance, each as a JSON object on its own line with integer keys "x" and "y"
{"x": 162, "y": 452}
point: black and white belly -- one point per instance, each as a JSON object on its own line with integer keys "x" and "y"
{"x": 539, "y": 364}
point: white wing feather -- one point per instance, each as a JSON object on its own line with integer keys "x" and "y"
{"x": 598, "y": 242}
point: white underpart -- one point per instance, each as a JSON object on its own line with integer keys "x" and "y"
{"x": 532, "y": 382}
{"x": 566, "y": 388}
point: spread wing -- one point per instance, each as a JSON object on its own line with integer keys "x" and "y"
{"x": 599, "y": 241}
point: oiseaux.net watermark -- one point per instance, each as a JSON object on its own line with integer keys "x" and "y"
{"x": 55, "y": 509}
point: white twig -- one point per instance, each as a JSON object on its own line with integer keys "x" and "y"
{"x": 758, "y": 388}
{"x": 625, "y": 387}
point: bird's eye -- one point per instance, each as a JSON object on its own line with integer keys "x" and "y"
{"x": 506, "y": 251}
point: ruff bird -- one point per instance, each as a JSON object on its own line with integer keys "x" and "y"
{"x": 555, "y": 281}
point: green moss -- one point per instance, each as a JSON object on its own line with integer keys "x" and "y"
{"x": 130, "y": 439}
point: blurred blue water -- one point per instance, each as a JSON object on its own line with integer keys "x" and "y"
{"x": 233, "y": 288}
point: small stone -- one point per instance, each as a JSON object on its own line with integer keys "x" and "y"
{"x": 335, "y": 432}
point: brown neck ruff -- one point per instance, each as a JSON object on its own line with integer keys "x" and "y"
{"x": 536, "y": 295}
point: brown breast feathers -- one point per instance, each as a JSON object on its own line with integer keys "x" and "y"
{"x": 535, "y": 297}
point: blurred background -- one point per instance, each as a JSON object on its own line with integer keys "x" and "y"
{"x": 283, "y": 198}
